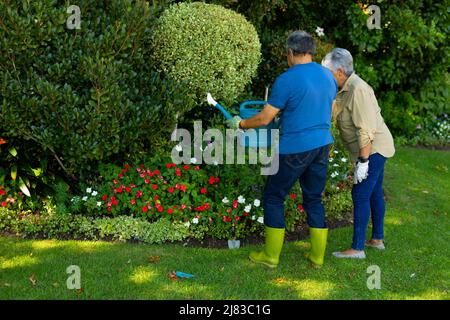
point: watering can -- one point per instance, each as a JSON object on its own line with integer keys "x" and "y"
{"x": 247, "y": 110}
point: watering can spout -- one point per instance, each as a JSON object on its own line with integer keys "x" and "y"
{"x": 216, "y": 105}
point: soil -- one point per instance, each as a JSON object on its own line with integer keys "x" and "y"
{"x": 300, "y": 233}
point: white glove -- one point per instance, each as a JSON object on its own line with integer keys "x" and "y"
{"x": 361, "y": 172}
{"x": 211, "y": 100}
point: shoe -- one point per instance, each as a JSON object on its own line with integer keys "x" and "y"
{"x": 318, "y": 245}
{"x": 379, "y": 246}
{"x": 273, "y": 244}
{"x": 358, "y": 255}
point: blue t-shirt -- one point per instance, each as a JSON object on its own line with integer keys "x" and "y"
{"x": 304, "y": 94}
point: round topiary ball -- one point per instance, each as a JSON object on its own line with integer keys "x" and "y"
{"x": 208, "y": 47}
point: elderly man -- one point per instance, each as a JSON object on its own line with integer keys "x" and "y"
{"x": 305, "y": 93}
{"x": 369, "y": 142}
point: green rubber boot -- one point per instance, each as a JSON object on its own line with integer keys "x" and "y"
{"x": 272, "y": 248}
{"x": 318, "y": 245}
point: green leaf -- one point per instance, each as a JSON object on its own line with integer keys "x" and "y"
{"x": 24, "y": 188}
{"x": 14, "y": 172}
{"x": 37, "y": 172}
{"x": 13, "y": 151}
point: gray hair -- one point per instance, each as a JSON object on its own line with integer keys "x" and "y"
{"x": 339, "y": 59}
{"x": 301, "y": 42}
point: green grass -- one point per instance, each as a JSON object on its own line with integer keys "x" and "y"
{"x": 416, "y": 264}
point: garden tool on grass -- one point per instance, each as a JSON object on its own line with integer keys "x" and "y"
{"x": 247, "y": 110}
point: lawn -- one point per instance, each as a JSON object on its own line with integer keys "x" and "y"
{"x": 416, "y": 264}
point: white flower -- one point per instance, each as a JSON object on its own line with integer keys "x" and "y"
{"x": 253, "y": 217}
{"x": 193, "y": 160}
{"x": 215, "y": 163}
{"x": 84, "y": 198}
{"x": 178, "y": 148}
{"x": 256, "y": 203}
{"x": 330, "y": 160}
{"x": 94, "y": 193}
{"x": 241, "y": 199}
{"x": 195, "y": 220}
{"x": 248, "y": 208}
{"x": 261, "y": 219}
{"x": 88, "y": 190}
{"x": 334, "y": 174}
{"x": 344, "y": 160}
{"x": 335, "y": 165}
{"x": 99, "y": 204}
{"x": 187, "y": 224}
{"x": 319, "y": 32}
{"x": 225, "y": 200}
{"x": 336, "y": 152}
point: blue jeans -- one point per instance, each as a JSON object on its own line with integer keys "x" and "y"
{"x": 310, "y": 169}
{"x": 368, "y": 197}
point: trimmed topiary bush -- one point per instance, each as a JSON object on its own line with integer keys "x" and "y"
{"x": 210, "y": 47}
{"x": 84, "y": 95}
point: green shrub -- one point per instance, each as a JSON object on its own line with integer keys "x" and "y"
{"x": 212, "y": 48}
{"x": 83, "y": 95}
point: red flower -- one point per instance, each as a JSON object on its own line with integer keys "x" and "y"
{"x": 139, "y": 194}
{"x": 115, "y": 202}
{"x": 3, "y": 203}
{"x": 178, "y": 172}
{"x": 159, "y": 208}
{"x": 170, "y": 211}
{"x": 104, "y": 197}
{"x": 171, "y": 189}
{"x": 144, "y": 209}
{"x": 127, "y": 166}
{"x": 183, "y": 207}
{"x": 292, "y": 195}
{"x": 235, "y": 204}
{"x": 168, "y": 166}
{"x": 186, "y": 167}
{"x": 128, "y": 189}
{"x": 147, "y": 181}
{"x": 115, "y": 181}
{"x": 124, "y": 170}
{"x": 156, "y": 198}
{"x": 211, "y": 180}
{"x": 109, "y": 209}
{"x": 183, "y": 188}
{"x": 236, "y": 218}
{"x": 224, "y": 218}
{"x": 120, "y": 175}
{"x": 154, "y": 186}
{"x": 177, "y": 186}
{"x": 196, "y": 168}
{"x": 2, "y": 192}
{"x": 203, "y": 190}
{"x": 228, "y": 219}
{"x": 300, "y": 207}
{"x": 156, "y": 172}
{"x": 133, "y": 201}
{"x": 119, "y": 190}
{"x": 228, "y": 210}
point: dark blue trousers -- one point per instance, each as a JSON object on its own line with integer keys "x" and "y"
{"x": 310, "y": 169}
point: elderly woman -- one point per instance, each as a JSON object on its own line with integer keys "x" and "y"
{"x": 369, "y": 142}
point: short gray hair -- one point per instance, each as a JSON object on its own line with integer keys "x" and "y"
{"x": 301, "y": 42}
{"x": 339, "y": 59}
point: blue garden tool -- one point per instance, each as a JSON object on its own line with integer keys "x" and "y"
{"x": 247, "y": 110}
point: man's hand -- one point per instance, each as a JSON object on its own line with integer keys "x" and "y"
{"x": 361, "y": 172}
{"x": 233, "y": 123}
